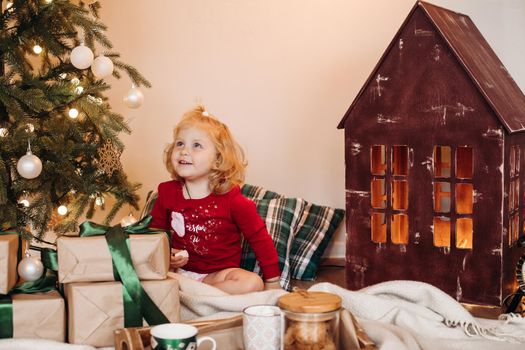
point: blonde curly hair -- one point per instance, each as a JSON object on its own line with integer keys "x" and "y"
{"x": 230, "y": 166}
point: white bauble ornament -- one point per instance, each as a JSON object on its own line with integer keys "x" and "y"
{"x": 102, "y": 67}
{"x": 81, "y": 57}
{"x": 128, "y": 220}
{"x": 99, "y": 201}
{"x": 29, "y": 268}
{"x": 134, "y": 98}
{"x": 29, "y": 166}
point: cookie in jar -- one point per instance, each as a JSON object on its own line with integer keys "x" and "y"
{"x": 310, "y": 320}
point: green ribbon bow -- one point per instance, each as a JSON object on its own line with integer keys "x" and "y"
{"x": 137, "y": 303}
{"x": 45, "y": 283}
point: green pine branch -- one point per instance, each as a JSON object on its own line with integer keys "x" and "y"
{"x": 37, "y": 91}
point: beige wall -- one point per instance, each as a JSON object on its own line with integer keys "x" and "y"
{"x": 280, "y": 73}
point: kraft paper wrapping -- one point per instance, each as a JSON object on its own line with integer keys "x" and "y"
{"x": 87, "y": 259}
{"x": 8, "y": 262}
{"x": 95, "y": 310}
{"x": 39, "y": 315}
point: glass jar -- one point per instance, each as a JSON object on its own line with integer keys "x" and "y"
{"x": 309, "y": 321}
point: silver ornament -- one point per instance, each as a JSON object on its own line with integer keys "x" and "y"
{"x": 102, "y": 67}
{"x": 29, "y": 166}
{"x": 81, "y": 57}
{"x": 30, "y": 268}
{"x": 128, "y": 220}
{"x": 134, "y": 98}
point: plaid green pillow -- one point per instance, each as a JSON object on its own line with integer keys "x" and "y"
{"x": 311, "y": 235}
{"x": 314, "y": 231}
{"x": 280, "y": 216}
{"x": 256, "y": 192}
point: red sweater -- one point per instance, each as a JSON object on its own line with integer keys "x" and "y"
{"x": 210, "y": 229}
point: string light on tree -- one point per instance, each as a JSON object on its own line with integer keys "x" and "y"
{"x": 75, "y": 81}
{"x": 102, "y": 67}
{"x": 79, "y": 90}
{"x": 30, "y": 268}
{"x": 37, "y": 49}
{"x": 134, "y": 97}
{"x": 29, "y": 166}
{"x": 81, "y": 57}
{"x": 62, "y": 210}
{"x": 4, "y": 132}
{"x": 73, "y": 113}
{"x": 24, "y": 202}
{"x": 29, "y": 127}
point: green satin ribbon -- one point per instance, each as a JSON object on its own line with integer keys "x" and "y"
{"x": 137, "y": 303}
{"x": 45, "y": 283}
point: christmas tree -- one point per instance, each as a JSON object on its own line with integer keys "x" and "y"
{"x": 59, "y": 145}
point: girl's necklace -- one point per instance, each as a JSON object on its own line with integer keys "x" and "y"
{"x": 187, "y": 191}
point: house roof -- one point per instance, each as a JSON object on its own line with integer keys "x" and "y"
{"x": 477, "y": 58}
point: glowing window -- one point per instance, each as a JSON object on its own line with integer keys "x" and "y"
{"x": 441, "y": 232}
{"x": 464, "y": 198}
{"x": 399, "y": 229}
{"x": 378, "y": 228}
{"x": 378, "y": 160}
{"x": 378, "y": 193}
{"x": 400, "y": 160}
{"x": 464, "y": 233}
{"x": 400, "y": 195}
{"x": 442, "y": 161}
{"x": 442, "y": 197}
{"x": 464, "y": 162}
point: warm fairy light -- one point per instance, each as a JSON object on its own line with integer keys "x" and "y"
{"x": 48, "y": 1}
{"x": 99, "y": 201}
{"x": 30, "y": 127}
{"x": 8, "y": 5}
{"x": 79, "y": 90}
{"x": 3, "y": 132}
{"x": 24, "y": 202}
{"x": 62, "y": 210}
{"x": 73, "y": 113}
{"x": 37, "y": 49}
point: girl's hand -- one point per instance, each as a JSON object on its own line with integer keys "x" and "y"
{"x": 272, "y": 283}
{"x": 178, "y": 260}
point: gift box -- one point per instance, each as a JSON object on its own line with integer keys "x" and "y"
{"x": 95, "y": 310}
{"x": 39, "y": 315}
{"x": 88, "y": 259}
{"x": 8, "y": 262}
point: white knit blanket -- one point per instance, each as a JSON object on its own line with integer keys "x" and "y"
{"x": 396, "y": 315}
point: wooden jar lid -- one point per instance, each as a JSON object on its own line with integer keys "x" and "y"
{"x": 310, "y": 302}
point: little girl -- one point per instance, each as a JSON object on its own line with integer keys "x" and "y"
{"x": 206, "y": 212}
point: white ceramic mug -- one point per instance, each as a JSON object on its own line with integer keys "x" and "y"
{"x": 178, "y": 336}
{"x": 261, "y": 327}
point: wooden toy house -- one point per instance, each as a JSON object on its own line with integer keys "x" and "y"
{"x": 435, "y": 175}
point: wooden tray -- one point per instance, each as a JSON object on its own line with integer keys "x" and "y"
{"x": 352, "y": 335}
